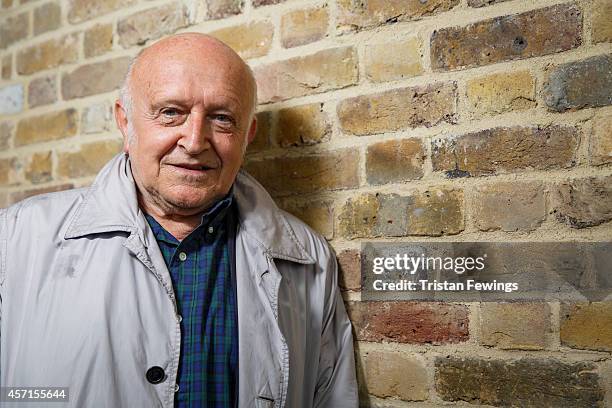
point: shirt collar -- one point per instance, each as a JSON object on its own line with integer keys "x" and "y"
{"x": 213, "y": 217}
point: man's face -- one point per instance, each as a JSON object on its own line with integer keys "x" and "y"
{"x": 191, "y": 122}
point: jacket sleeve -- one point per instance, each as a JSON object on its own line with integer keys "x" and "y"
{"x": 2, "y": 271}
{"x": 3, "y": 234}
{"x": 337, "y": 383}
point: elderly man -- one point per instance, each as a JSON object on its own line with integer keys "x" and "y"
{"x": 174, "y": 280}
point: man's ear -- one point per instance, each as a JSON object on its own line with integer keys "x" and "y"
{"x": 122, "y": 123}
{"x": 252, "y": 130}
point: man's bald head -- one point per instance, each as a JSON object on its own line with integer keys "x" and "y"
{"x": 194, "y": 46}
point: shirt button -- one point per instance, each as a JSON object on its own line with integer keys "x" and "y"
{"x": 180, "y": 318}
{"x": 211, "y": 230}
{"x": 182, "y": 256}
{"x": 176, "y": 387}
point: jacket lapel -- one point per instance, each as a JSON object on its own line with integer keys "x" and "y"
{"x": 111, "y": 205}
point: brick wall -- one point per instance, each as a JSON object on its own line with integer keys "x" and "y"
{"x": 452, "y": 120}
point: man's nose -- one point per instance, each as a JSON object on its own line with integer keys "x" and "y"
{"x": 196, "y": 134}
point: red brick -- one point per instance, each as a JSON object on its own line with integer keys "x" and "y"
{"x": 349, "y": 269}
{"x": 410, "y": 322}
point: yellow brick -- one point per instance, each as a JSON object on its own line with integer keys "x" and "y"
{"x": 81, "y": 10}
{"x": 264, "y": 123}
{"x": 500, "y": 93}
{"x": 8, "y": 174}
{"x": 49, "y": 126}
{"x": 13, "y": 29}
{"x": 39, "y": 167}
{"x": 249, "y": 40}
{"x": 98, "y": 40}
{"x": 601, "y": 140}
{"x": 301, "y": 27}
{"x": 47, "y": 17}
{"x": 48, "y": 54}
{"x": 302, "y": 125}
{"x": 394, "y": 374}
{"x": 317, "y": 214}
{"x": 398, "y": 109}
{"x": 7, "y": 67}
{"x": 602, "y": 21}
{"x": 306, "y": 75}
{"x": 88, "y": 160}
{"x": 587, "y": 326}
{"x": 391, "y": 61}
{"x": 353, "y": 14}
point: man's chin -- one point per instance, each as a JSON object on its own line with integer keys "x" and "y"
{"x": 192, "y": 203}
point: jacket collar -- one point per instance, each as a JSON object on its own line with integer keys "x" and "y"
{"x": 111, "y": 205}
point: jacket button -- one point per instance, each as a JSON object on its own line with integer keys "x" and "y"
{"x": 155, "y": 375}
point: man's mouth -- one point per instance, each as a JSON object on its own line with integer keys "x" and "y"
{"x": 192, "y": 166}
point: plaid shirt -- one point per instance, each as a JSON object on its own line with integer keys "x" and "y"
{"x": 201, "y": 271}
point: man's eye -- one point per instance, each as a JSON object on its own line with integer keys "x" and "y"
{"x": 225, "y": 119}
{"x": 170, "y": 112}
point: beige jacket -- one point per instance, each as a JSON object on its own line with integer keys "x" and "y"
{"x": 87, "y": 302}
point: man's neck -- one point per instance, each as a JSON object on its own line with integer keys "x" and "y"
{"x": 177, "y": 223}
{"x": 179, "y": 227}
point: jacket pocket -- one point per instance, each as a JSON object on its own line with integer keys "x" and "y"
{"x": 264, "y": 402}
